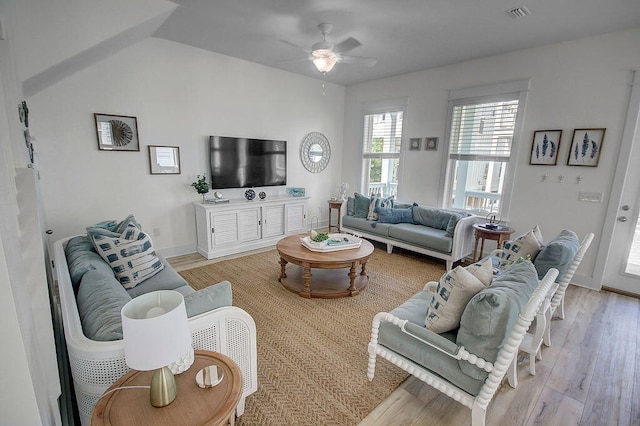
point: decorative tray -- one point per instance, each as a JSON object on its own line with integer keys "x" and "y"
{"x": 334, "y": 243}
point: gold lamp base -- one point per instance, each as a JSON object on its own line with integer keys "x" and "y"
{"x": 163, "y": 387}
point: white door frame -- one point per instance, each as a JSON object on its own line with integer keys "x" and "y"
{"x": 607, "y": 265}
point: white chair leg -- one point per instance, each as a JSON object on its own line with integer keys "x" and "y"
{"x": 512, "y": 372}
{"x": 449, "y": 265}
{"x": 478, "y": 416}
{"x": 532, "y": 364}
{"x": 546, "y": 339}
{"x": 389, "y": 248}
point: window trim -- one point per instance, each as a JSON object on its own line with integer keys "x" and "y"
{"x": 479, "y": 94}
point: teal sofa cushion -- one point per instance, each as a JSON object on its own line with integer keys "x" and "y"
{"x": 166, "y": 279}
{"x": 424, "y": 236}
{"x": 361, "y": 205}
{"x": 81, "y": 258}
{"x": 415, "y": 310}
{"x": 392, "y": 215}
{"x": 100, "y": 300}
{"x": 362, "y": 224}
{"x": 351, "y": 206}
{"x": 208, "y": 298}
{"x": 491, "y": 314}
{"x": 559, "y": 254}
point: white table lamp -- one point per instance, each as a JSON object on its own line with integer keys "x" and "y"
{"x": 156, "y": 333}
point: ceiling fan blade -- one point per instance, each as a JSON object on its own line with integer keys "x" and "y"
{"x": 367, "y": 62}
{"x": 295, "y": 45}
{"x": 345, "y": 46}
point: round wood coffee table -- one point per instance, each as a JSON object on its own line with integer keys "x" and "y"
{"x": 328, "y": 280}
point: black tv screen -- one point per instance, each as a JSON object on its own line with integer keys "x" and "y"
{"x": 246, "y": 163}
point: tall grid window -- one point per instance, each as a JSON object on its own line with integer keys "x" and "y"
{"x": 382, "y": 140}
{"x": 482, "y": 130}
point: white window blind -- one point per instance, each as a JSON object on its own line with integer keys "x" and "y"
{"x": 483, "y": 131}
{"x": 382, "y": 135}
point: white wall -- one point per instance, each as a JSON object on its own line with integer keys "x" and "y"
{"x": 578, "y": 84}
{"x": 180, "y": 95}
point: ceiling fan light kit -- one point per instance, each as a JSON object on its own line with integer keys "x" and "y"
{"x": 325, "y": 54}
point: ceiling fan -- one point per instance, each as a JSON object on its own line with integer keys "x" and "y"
{"x": 325, "y": 54}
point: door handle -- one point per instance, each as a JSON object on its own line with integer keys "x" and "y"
{"x": 622, "y": 219}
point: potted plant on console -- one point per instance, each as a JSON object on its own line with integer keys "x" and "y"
{"x": 201, "y": 185}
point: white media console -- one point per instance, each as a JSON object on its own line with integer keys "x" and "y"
{"x": 242, "y": 225}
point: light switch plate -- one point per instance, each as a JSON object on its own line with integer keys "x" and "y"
{"x": 590, "y": 197}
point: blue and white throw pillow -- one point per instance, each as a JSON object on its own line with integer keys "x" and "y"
{"x": 130, "y": 255}
{"x": 377, "y": 201}
{"x": 528, "y": 244}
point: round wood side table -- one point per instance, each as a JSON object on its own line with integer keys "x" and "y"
{"x": 192, "y": 406}
{"x": 500, "y": 234}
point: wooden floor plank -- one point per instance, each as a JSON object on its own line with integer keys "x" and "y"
{"x": 555, "y": 408}
{"x": 608, "y": 401}
{"x": 574, "y": 368}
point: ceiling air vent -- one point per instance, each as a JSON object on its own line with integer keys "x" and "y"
{"x": 518, "y": 12}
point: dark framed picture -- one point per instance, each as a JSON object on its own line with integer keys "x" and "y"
{"x": 586, "y": 146}
{"x": 545, "y": 147}
{"x": 430, "y": 144}
{"x": 414, "y": 144}
{"x": 164, "y": 160}
{"x": 117, "y": 132}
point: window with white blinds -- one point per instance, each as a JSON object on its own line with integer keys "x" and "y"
{"x": 381, "y": 145}
{"x": 483, "y": 128}
{"x": 483, "y": 131}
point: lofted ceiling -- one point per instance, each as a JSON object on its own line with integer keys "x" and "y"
{"x": 403, "y": 35}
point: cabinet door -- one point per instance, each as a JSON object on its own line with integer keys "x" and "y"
{"x": 272, "y": 221}
{"x": 224, "y": 228}
{"x": 249, "y": 224}
{"x": 295, "y": 217}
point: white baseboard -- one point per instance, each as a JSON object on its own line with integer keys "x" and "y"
{"x": 177, "y": 251}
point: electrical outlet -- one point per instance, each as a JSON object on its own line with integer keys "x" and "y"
{"x": 156, "y": 232}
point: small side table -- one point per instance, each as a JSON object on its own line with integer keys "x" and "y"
{"x": 501, "y": 234}
{"x": 335, "y": 204}
{"x": 192, "y": 406}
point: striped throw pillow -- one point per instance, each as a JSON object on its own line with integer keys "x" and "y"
{"x": 131, "y": 255}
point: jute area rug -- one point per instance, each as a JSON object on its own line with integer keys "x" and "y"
{"x": 312, "y": 353}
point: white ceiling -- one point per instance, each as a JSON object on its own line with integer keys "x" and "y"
{"x": 404, "y": 35}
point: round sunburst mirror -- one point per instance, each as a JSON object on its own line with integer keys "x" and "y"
{"x": 315, "y": 152}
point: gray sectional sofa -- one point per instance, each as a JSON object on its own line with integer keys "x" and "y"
{"x": 91, "y": 298}
{"x": 440, "y": 233}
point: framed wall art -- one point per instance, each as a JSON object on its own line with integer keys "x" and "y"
{"x": 414, "y": 144}
{"x": 430, "y": 144}
{"x": 545, "y": 147}
{"x": 117, "y": 132}
{"x": 164, "y": 160}
{"x": 586, "y": 146}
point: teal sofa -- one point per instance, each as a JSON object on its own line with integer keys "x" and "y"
{"x": 91, "y": 298}
{"x": 440, "y": 233}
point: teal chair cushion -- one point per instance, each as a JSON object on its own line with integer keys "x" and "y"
{"x": 559, "y": 254}
{"x": 491, "y": 314}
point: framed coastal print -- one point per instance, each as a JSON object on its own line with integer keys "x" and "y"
{"x": 545, "y": 147}
{"x": 586, "y": 146}
{"x": 164, "y": 160}
{"x": 117, "y": 132}
{"x": 414, "y": 144}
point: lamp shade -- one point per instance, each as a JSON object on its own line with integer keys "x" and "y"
{"x": 155, "y": 330}
{"x": 324, "y": 59}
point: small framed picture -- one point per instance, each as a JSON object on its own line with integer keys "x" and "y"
{"x": 430, "y": 144}
{"x": 545, "y": 147}
{"x": 414, "y": 144}
{"x": 586, "y": 146}
{"x": 164, "y": 160}
{"x": 117, "y": 132}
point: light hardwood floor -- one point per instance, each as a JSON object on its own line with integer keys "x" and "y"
{"x": 590, "y": 375}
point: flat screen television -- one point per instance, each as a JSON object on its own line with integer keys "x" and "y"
{"x": 246, "y": 163}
